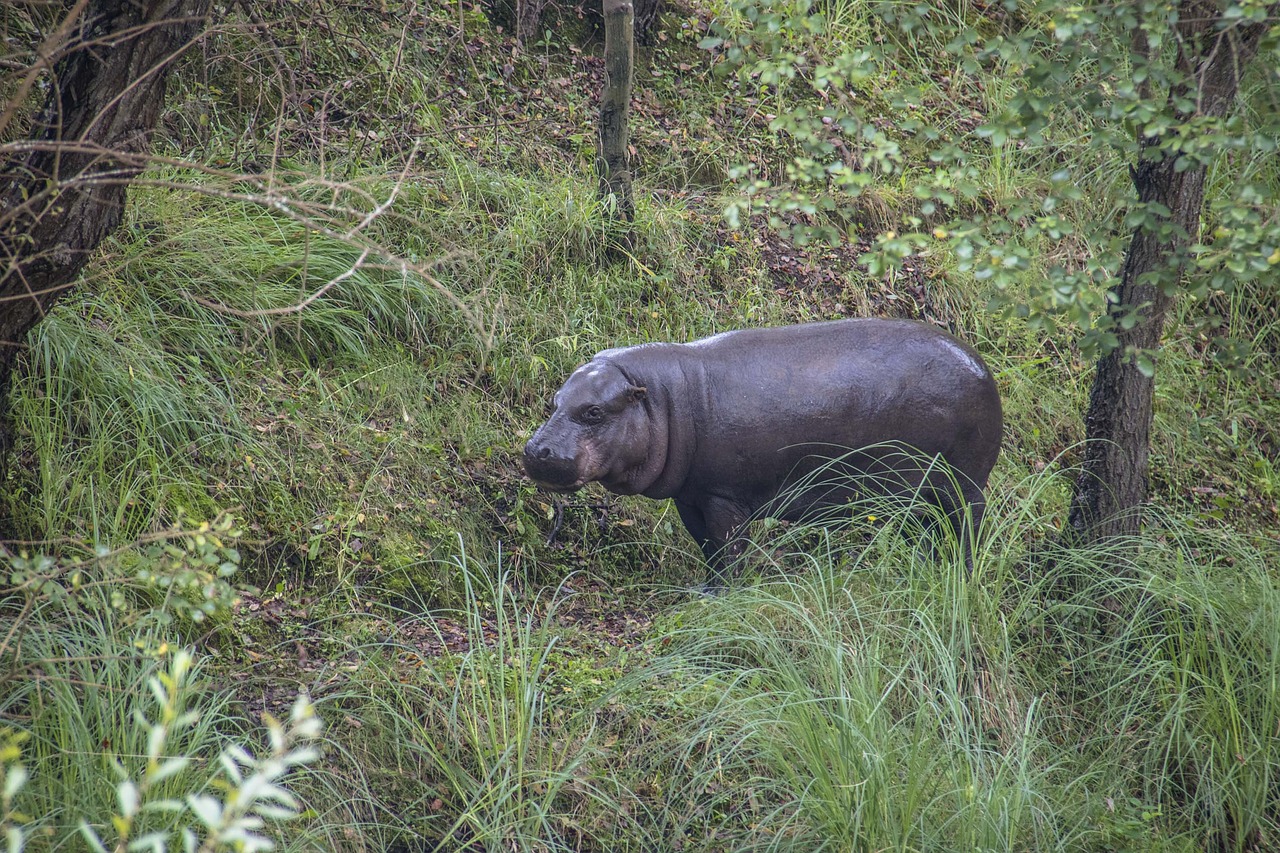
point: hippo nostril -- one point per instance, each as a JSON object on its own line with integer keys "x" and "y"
{"x": 544, "y": 452}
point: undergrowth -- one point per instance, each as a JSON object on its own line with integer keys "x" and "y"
{"x": 858, "y": 695}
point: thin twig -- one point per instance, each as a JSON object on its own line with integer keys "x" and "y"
{"x": 222, "y": 308}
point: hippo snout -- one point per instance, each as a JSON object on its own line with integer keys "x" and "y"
{"x": 549, "y": 467}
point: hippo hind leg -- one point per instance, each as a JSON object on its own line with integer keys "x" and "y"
{"x": 962, "y": 513}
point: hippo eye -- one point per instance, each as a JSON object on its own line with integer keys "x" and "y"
{"x": 591, "y": 415}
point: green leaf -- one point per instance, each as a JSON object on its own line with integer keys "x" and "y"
{"x": 1146, "y": 366}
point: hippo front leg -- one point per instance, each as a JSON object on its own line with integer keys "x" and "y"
{"x": 715, "y": 524}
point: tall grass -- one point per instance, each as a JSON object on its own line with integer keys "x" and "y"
{"x": 1181, "y": 679}
{"x": 79, "y": 711}
{"x": 151, "y": 391}
{"x": 137, "y": 395}
{"x": 107, "y": 410}
{"x": 863, "y": 698}
{"x": 493, "y": 756}
{"x": 124, "y": 735}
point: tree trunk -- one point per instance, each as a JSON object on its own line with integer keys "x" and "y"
{"x": 62, "y": 188}
{"x": 614, "y": 162}
{"x": 528, "y": 20}
{"x": 646, "y": 20}
{"x": 1113, "y": 481}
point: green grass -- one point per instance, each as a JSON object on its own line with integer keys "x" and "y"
{"x": 494, "y": 744}
{"x": 84, "y": 680}
{"x": 848, "y": 694}
{"x": 865, "y": 699}
{"x": 855, "y": 695}
{"x": 381, "y": 412}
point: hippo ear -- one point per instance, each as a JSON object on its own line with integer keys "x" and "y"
{"x": 637, "y": 393}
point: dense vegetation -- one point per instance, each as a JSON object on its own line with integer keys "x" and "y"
{"x": 367, "y": 250}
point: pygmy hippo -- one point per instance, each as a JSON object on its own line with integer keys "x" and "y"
{"x": 726, "y": 424}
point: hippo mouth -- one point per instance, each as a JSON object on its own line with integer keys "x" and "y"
{"x": 562, "y": 488}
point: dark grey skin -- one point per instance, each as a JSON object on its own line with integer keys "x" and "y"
{"x": 727, "y": 424}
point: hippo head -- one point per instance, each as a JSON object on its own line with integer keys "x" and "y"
{"x": 598, "y": 431}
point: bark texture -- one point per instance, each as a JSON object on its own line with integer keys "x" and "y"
{"x": 1112, "y": 486}
{"x": 528, "y": 19}
{"x": 62, "y": 186}
{"x": 646, "y": 20}
{"x": 614, "y": 160}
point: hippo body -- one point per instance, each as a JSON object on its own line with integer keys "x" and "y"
{"x": 726, "y": 424}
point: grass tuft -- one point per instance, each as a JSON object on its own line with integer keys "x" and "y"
{"x": 861, "y": 697}
{"x": 500, "y": 759}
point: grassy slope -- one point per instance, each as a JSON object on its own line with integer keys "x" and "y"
{"x": 369, "y": 446}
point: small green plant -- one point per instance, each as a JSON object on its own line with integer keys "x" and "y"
{"x": 251, "y": 789}
{"x": 180, "y": 575}
{"x": 13, "y": 776}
